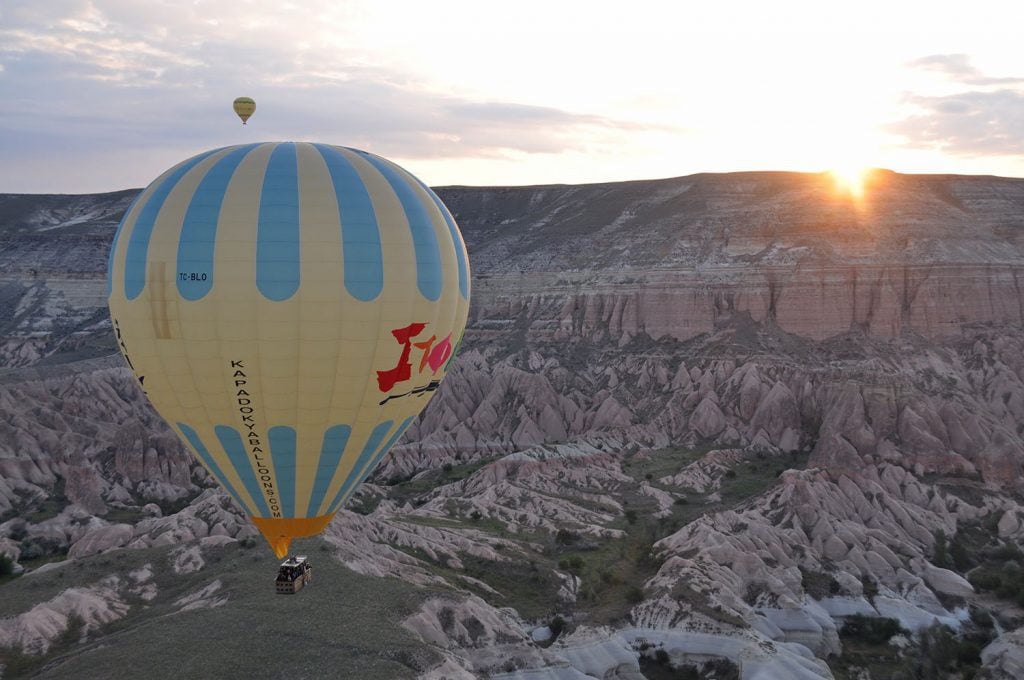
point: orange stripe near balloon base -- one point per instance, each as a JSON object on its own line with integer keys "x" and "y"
{"x": 280, "y": 532}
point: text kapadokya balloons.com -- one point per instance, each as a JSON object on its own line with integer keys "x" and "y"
{"x": 288, "y": 308}
{"x": 244, "y": 107}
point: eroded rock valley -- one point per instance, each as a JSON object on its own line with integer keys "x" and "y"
{"x": 716, "y": 417}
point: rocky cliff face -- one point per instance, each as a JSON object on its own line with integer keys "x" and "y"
{"x": 925, "y": 254}
{"x": 919, "y": 253}
{"x": 714, "y": 416}
{"x": 88, "y": 438}
{"x": 53, "y": 261}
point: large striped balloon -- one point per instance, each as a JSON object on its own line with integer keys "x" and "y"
{"x": 289, "y": 308}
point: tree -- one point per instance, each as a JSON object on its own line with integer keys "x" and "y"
{"x": 940, "y": 557}
{"x": 958, "y": 553}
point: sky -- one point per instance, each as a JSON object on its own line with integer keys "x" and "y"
{"x": 102, "y": 95}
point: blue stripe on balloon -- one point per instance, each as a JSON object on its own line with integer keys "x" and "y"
{"x": 199, "y": 231}
{"x": 211, "y": 464}
{"x": 117, "y": 237}
{"x": 384, "y": 449}
{"x": 335, "y": 441}
{"x": 428, "y": 255}
{"x": 282, "y": 453}
{"x": 138, "y": 242}
{"x": 360, "y": 231}
{"x": 277, "y": 234}
{"x": 233, "y": 446}
{"x": 359, "y": 475}
{"x": 453, "y": 230}
{"x": 369, "y": 449}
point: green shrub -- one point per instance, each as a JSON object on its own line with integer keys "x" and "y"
{"x": 985, "y": 578}
{"x": 940, "y": 555}
{"x": 1008, "y": 552}
{"x": 566, "y": 537}
{"x": 870, "y": 587}
{"x": 818, "y": 584}
{"x": 754, "y": 590}
{"x": 557, "y": 625}
{"x": 41, "y": 546}
{"x": 446, "y": 617}
{"x": 1006, "y": 581}
{"x": 982, "y": 618}
{"x": 938, "y": 651}
{"x": 635, "y": 594}
{"x": 968, "y": 653}
{"x": 871, "y": 629}
{"x": 962, "y": 560}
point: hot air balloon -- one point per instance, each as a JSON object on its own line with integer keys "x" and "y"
{"x": 288, "y": 308}
{"x": 244, "y": 107}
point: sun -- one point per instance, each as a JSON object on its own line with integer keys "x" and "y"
{"x": 849, "y": 179}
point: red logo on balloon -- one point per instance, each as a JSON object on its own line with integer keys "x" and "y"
{"x": 433, "y": 355}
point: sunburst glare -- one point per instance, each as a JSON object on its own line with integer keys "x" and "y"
{"x": 850, "y": 179}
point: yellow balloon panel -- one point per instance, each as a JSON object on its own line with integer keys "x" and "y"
{"x": 289, "y": 309}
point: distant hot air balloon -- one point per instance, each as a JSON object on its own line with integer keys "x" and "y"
{"x": 289, "y": 308}
{"x": 244, "y": 107}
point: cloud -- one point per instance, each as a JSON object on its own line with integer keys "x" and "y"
{"x": 958, "y": 68}
{"x": 87, "y": 77}
{"x": 968, "y": 124}
{"x": 984, "y": 121}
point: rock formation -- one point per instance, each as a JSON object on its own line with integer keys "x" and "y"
{"x": 714, "y": 416}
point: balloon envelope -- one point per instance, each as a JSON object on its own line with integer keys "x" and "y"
{"x": 288, "y": 308}
{"x": 244, "y": 107}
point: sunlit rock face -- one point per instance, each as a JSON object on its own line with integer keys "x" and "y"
{"x": 671, "y": 257}
{"x": 742, "y": 321}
